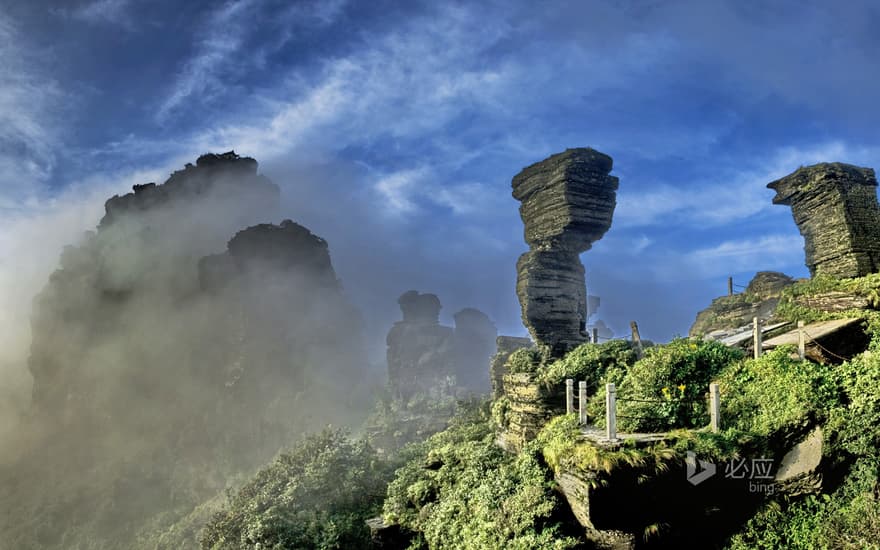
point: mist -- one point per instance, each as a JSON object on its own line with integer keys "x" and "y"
{"x": 175, "y": 348}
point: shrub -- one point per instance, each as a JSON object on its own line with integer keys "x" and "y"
{"x": 589, "y": 362}
{"x": 776, "y": 395}
{"x": 318, "y": 495}
{"x": 459, "y": 490}
{"x": 524, "y": 360}
{"x": 667, "y": 388}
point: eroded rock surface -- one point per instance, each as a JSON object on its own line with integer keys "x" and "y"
{"x": 835, "y": 208}
{"x": 567, "y": 204}
{"x": 728, "y": 314}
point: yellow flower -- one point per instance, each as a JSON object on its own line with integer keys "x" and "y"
{"x": 665, "y": 391}
{"x": 693, "y": 346}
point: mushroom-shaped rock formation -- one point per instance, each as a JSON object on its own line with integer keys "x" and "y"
{"x": 835, "y": 208}
{"x": 567, "y": 201}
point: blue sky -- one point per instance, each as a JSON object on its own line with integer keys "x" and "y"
{"x": 394, "y": 129}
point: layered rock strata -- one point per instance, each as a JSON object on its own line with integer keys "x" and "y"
{"x": 727, "y": 314}
{"x": 835, "y": 208}
{"x": 567, "y": 204}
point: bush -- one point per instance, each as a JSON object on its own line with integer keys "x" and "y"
{"x": 318, "y": 495}
{"x": 459, "y": 490}
{"x": 847, "y": 519}
{"x": 667, "y": 388}
{"x": 777, "y": 395}
{"x": 524, "y": 360}
{"x": 589, "y": 362}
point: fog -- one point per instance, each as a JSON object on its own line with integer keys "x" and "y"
{"x": 162, "y": 366}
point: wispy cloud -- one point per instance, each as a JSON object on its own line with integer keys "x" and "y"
{"x": 96, "y": 12}
{"x": 28, "y": 101}
{"x": 731, "y": 195}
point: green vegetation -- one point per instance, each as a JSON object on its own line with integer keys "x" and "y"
{"x": 791, "y": 308}
{"x": 589, "y": 362}
{"x": 318, "y": 495}
{"x": 524, "y": 360}
{"x": 777, "y": 396}
{"x": 666, "y": 388}
{"x": 459, "y": 490}
{"x": 563, "y": 450}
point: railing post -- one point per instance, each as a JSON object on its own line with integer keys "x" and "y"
{"x": 714, "y": 408}
{"x": 636, "y": 338}
{"x": 610, "y": 412}
{"x": 569, "y": 396}
{"x": 802, "y": 345}
{"x": 730, "y": 286}
{"x": 595, "y": 335}
{"x": 758, "y": 342}
{"x": 582, "y": 402}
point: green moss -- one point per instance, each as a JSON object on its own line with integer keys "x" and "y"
{"x": 589, "y": 362}
{"x": 524, "y": 360}
{"x": 564, "y": 449}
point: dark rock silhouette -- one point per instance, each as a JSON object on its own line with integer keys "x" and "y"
{"x": 424, "y": 356}
{"x": 567, "y": 204}
{"x": 835, "y": 208}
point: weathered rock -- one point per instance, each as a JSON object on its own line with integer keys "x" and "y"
{"x": 505, "y": 345}
{"x": 732, "y": 312}
{"x": 567, "y": 203}
{"x": 835, "y": 208}
{"x": 474, "y": 346}
{"x": 768, "y": 284}
{"x": 531, "y": 406}
{"x": 834, "y": 301}
{"x": 798, "y": 471}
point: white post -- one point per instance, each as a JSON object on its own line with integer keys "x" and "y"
{"x": 611, "y": 412}
{"x": 569, "y": 396}
{"x": 802, "y": 345}
{"x": 582, "y": 402}
{"x": 757, "y": 336}
{"x": 714, "y": 408}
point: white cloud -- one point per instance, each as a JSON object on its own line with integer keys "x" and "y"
{"x": 398, "y": 190}
{"x": 28, "y": 101}
{"x": 101, "y": 12}
{"x": 732, "y": 196}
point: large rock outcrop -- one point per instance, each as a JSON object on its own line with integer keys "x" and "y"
{"x": 567, "y": 203}
{"x": 425, "y": 356}
{"x": 835, "y": 208}
{"x": 167, "y": 358}
{"x": 727, "y": 314}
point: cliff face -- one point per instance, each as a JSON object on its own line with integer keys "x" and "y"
{"x": 567, "y": 203}
{"x": 170, "y": 357}
{"x": 835, "y": 208}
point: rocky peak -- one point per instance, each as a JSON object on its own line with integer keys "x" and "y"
{"x": 420, "y": 308}
{"x": 568, "y": 200}
{"x": 835, "y": 208}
